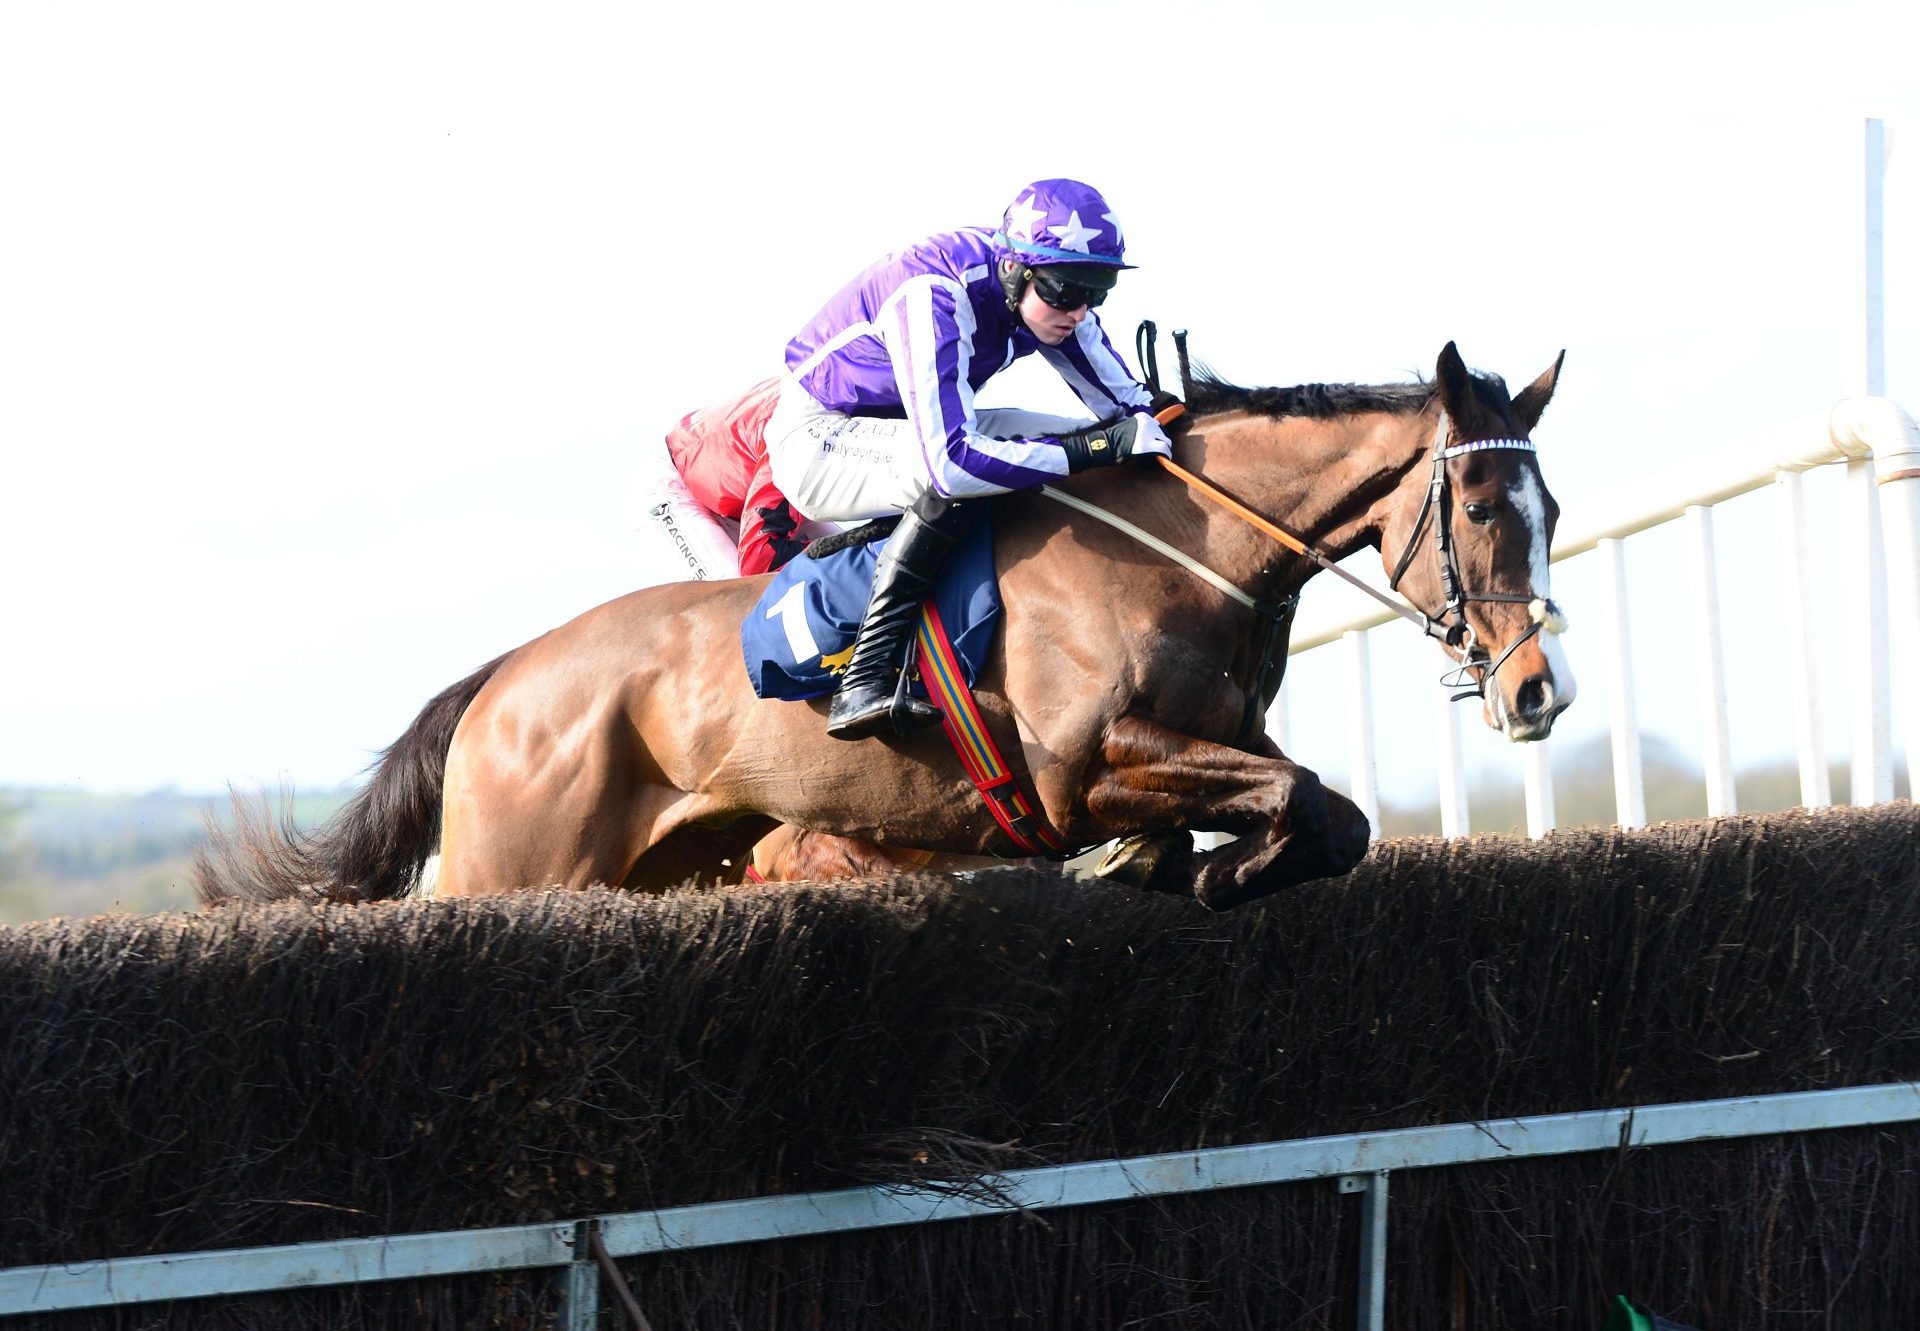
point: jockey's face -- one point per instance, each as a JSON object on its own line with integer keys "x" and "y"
{"x": 1045, "y": 322}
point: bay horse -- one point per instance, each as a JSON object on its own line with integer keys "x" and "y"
{"x": 627, "y": 748}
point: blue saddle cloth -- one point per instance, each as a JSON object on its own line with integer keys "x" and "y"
{"x": 799, "y": 635}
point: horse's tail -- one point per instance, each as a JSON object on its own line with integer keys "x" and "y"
{"x": 371, "y": 850}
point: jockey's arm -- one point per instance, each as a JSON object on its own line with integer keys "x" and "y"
{"x": 768, "y": 524}
{"x": 1095, "y": 372}
{"x": 930, "y": 341}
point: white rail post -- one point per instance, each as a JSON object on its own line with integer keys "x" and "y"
{"x": 1454, "y": 819}
{"x": 1796, "y": 582}
{"x": 1900, "y": 507}
{"x": 1366, "y": 777}
{"x": 1876, "y": 268}
{"x": 1277, "y": 717}
{"x": 1629, "y": 780}
{"x": 1881, "y": 426}
{"x": 1711, "y": 663}
{"x": 1541, "y": 818}
{"x": 1866, "y": 566}
{"x": 1872, "y": 774}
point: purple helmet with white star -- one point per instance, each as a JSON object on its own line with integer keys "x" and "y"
{"x": 1055, "y": 222}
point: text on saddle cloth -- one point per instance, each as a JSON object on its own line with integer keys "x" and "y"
{"x": 799, "y": 635}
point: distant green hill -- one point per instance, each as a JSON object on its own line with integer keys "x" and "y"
{"x": 65, "y": 852}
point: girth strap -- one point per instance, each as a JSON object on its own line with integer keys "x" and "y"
{"x": 1276, "y": 617}
{"x": 960, "y": 717}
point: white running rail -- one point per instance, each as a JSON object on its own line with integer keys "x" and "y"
{"x": 1358, "y": 1162}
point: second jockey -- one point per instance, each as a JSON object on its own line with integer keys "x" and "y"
{"x": 707, "y": 498}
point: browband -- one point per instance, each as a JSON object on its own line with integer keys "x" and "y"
{"x": 1481, "y": 445}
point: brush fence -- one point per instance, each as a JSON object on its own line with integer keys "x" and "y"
{"x": 273, "y": 1098}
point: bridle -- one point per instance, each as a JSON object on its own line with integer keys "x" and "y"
{"x": 1452, "y": 629}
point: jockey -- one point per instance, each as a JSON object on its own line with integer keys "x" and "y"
{"x": 875, "y": 409}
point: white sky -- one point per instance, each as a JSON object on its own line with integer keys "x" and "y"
{"x": 328, "y": 333}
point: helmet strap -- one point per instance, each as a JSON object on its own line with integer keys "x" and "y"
{"x": 1014, "y": 276}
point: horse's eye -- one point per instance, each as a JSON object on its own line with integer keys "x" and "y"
{"x": 1480, "y": 512}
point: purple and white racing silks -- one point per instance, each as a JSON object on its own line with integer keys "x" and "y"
{"x": 915, "y": 335}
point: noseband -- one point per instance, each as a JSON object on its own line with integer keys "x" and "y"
{"x": 1451, "y": 628}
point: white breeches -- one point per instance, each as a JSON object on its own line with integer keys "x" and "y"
{"x": 850, "y": 468}
{"x": 682, "y": 541}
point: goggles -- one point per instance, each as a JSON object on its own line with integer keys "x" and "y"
{"x": 1061, "y": 294}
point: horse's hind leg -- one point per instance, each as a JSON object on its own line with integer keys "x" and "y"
{"x": 691, "y": 853}
{"x": 1291, "y": 828}
{"x": 793, "y": 855}
{"x": 508, "y": 823}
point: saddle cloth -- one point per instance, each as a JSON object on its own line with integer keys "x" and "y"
{"x": 799, "y": 636}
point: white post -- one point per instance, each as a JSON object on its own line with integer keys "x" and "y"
{"x": 1796, "y": 582}
{"x": 1876, "y": 277}
{"x": 1900, "y": 507}
{"x": 1872, "y": 780}
{"x": 1629, "y": 781}
{"x": 1877, "y": 425}
{"x": 1539, "y": 769}
{"x": 1277, "y": 717}
{"x": 1366, "y": 778}
{"x": 1872, "y": 776}
{"x": 1453, "y": 781}
{"x": 1711, "y": 664}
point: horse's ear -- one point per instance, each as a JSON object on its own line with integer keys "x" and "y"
{"x": 1456, "y": 392}
{"x": 1533, "y": 399}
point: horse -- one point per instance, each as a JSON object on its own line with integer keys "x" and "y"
{"x": 626, "y": 747}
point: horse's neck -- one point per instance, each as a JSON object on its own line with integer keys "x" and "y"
{"x": 1327, "y": 480}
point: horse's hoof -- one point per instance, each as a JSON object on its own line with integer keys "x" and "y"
{"x": 1223, "y": 884}
{"x": 1151, "y": 862}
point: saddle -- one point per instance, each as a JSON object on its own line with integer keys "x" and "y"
{"x": 799, "y": 635}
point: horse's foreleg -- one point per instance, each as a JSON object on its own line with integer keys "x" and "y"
{"x": 1291, "y": 828}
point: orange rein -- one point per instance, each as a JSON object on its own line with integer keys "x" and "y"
{"x": 1167, "y": 416}
{"x": 1259, "y": 522}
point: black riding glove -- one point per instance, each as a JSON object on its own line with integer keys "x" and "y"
{"x": 1104, "y": 445}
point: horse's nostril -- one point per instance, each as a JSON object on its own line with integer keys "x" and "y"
{"x": 1534, "y": 697}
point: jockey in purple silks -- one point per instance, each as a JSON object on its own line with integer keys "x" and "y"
{"x": 876, "y": 415}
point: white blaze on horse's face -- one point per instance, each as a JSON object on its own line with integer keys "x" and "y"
{"x": 1552, "y": 693}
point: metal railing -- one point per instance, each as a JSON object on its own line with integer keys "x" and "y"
{"x": 1879, "y": 446}
{"x": 1357, "y": 1162}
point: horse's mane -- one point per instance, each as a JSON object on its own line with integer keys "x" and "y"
{"x": 1208, "y": 393}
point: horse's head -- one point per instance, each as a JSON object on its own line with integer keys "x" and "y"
{"x": 1467, "y": 540}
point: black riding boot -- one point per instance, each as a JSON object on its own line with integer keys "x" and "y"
{"x": 873, "y": 693}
